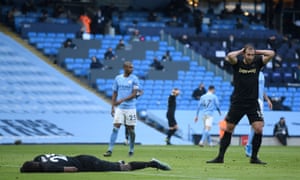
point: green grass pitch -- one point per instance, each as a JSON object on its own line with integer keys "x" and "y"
{"x": 187, "y": 162}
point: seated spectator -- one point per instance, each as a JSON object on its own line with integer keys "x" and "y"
{"x": 229, "y": 43}
{"x": 69, "y": 44}
{"x": 174, "y": 22}
{"x": 277, "y": 62}
{"x": 156, "y": 65}
{"x": 44, "y": 17}
{"x": 109, "y": 55}
{"x": 185, "y": 41}
{"x": 239, "y": 23}
{"x": 14, "y": 12}
{"x": 278, "y": 105}
{"x": 167, "y": 56}
{"x": 297, "y": 53}
{"x": 198, "y": 92}
{"x": 280, "y": 131}
{"x": 96, "y": 63}
{"x": 136, "y": 36}
{"x": 273, "y": 42}
{"x": 297, "y": 74}
{"x": 152, "y": 16}
{"x": 120, "y": 45}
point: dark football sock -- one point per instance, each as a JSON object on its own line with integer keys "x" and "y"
{"x": 225, "y": 142}
{"x": 139, "y": 165}
{"x": 170, "y": 133}
{"x": 256, "y": 142}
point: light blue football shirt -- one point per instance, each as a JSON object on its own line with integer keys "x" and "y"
{"x": 124, "y": 87}
{"x": 208, "y": 102}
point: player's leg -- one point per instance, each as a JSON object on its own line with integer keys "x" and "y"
{"x": 248, "y": 147}
{"x": 204, "y": 134}
{"x": 171, "y": 132}
{"x": 208, "y": 124}
{"x": 118, "y": 120}
{"x": 257, "y": 122}
{"x": 130, "y": 121}
{"x": 233, "y": 117}
{"x": 256, "y": 142}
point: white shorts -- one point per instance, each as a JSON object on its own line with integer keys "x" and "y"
{"x": 125, "y": 116}
{"x": 207, "y": 120}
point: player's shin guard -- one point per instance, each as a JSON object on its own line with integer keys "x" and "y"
{"x": 256, "y": 142}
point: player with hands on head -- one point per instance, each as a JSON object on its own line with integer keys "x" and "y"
{"x": 244, "y": 98}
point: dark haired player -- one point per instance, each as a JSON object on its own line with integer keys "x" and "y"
{"x": 84, "y": 163}
{"x": 244, "y": 99}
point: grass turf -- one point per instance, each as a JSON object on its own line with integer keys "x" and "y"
{"x": 187, "y": 162}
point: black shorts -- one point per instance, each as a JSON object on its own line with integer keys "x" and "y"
{"x": 238, "y": 110}
{"x": 171, "y": 120}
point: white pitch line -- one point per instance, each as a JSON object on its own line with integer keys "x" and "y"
{"x": 173, "y": 175}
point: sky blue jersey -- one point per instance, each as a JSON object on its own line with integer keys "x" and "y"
{"x": 208, "y": 103}
{"x": 261, "y": 85}
{"x": 124, "y": 87}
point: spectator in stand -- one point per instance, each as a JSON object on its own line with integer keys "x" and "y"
{"x": 199, "y": 91}
{"x": 185, "y": 41}
{"x": 198, "y": 18}
{"x": 59, "y": 11}
{"x": 239, "y": 23}
{"x": 297, "y": 53}
{"x": 14, "y": 11}
{"x": 278, "y": 105}
{"x": 229, "y": 43}
{"x": 152, "y": 16}
{"x": 86, "y": 21}
{"x": 297, "y": 74}
{"x": 277, "y": 62}
{"x": 256, "y": 19}
{"x": 167, "y": 56}
{"x": 273, "y": 43}
{"x": 44, "y": 17}
{"x": 109, "y": 55}
{"x": 28, "y": 6}
{"x": 238, "y": 9}
{"x": 96, "y": 63}
{"x": 156, "y": 65}
{"x": 69, "y": 44}
{"x": 281, "y": 132}
{"x": 174, "y": 22}
{"x": 120, "y": 45}
{"x": 136, "y": 36}
{"x": 98, "y": 22}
